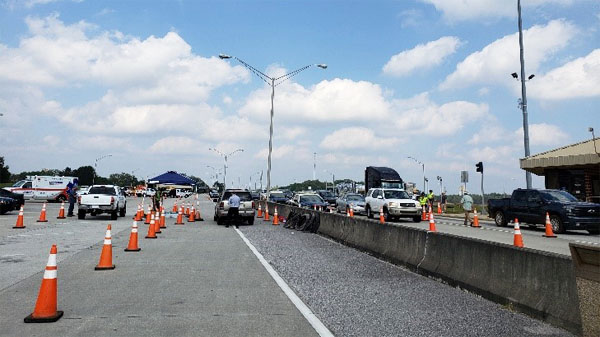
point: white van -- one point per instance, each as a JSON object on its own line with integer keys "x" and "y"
{"x": 42, "y": 188}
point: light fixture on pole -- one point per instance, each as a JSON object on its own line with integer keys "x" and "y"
{"x": 272, "y": 82}
{"x": 225, "y": 156}
{"x": 441, "y": 189}
{"x": 423, "y": 165}
{"x": 96, "y": 165}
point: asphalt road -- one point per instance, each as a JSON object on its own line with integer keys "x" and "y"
{"x": 201, "y": 279}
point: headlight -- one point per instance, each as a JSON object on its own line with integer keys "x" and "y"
{"x": 393, "y": 204}
{"x": 417, "y": 204}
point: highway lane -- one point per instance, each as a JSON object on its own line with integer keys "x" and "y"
{"x": 532, "y": 237}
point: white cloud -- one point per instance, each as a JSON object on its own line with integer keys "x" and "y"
{"x": 496, "y": 61}
{"x": 542, "y": 135}
{"x": 488, "y": 134}
{"x": 578, "y": 78}
{"x": 461, "y": 10}
{"x": 178, "y": 145}
{"x": 410, "y": 17}
{"x": 496, "y": 154}
{"x": 422, "y": 56}
{"x": 357, "y": 138}
{"x": 289, "y": 151}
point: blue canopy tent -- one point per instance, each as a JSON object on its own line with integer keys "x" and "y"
{"x": 171, "y": 178}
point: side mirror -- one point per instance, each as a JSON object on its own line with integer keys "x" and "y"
{"x": 379, "y": 197}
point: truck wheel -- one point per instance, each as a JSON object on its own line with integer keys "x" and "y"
{"x": 122, "y": 211}
{"x": 417, "y": 218}
{"x": 251, "y": 221}
{"x": 557, "y": 224}
{"x": 81, "y": 215}
{"x": 220, "y": 221}
{"x": 369, "y": 213}
{"x": 114, "y": 215}
{"x": 500, "y": 219}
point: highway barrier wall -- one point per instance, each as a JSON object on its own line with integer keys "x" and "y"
{"x": 540, "y": 284}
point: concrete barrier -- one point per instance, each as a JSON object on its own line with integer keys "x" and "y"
{"x": 537, "y": 283}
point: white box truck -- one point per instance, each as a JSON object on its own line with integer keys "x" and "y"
{"x": 42, "y": 188}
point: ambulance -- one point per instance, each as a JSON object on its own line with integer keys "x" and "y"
{"x": 42, "y": 188}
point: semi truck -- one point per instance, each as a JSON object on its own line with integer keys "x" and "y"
{"x": 384, "y": 177}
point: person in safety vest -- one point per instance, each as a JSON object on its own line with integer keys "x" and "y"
{"x": 423, "y": 199}
{"x": 430, "y": 198}
{"x": 156, "y": 200}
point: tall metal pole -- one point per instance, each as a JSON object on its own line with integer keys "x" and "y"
{"x": 270, "y": 139}
{"x": 482, "y": 196}
{"x": 524, "y": 96}
{"x": 424, "y": 181}
{"x": 224, "y": 173}
{"x": 314, "y": 166}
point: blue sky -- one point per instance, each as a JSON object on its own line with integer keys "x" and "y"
{"x": 141, "y": 80}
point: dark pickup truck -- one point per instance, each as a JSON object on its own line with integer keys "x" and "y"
{"x": 530, "y": 206}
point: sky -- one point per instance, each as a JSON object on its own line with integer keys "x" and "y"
{"x": 141, "y": 81}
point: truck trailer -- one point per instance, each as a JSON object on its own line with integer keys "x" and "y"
{"x": 383, "y": 177}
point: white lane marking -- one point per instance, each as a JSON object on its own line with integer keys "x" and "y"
{"x": 319, "y": 327}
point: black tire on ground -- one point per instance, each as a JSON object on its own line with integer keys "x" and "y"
{"x": 251, "y": 221}
{"x": 220, "y": 221}
{"x": 114, "y": 215}
{"x": 557, "y": 224}
{"x": 416, "y": 218}
{"x": 369, "y": 213}
{"x": 500, "y": 219}
{"x": 123, "y": 211}
{"x": 81, "y": 215}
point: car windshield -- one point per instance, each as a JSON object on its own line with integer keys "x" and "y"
{"x": 396, "y": 195}
{"x": 19, "y": 183}
{"x": 310, "y": 198}
{"x": 102, "y": 190}
{"x": 244, "y": 196}
{"x": 355, "y": 197}
{"x": 277, "y": 195}
{"x": 560, "y": 196}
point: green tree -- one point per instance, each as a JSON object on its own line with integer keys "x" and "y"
{"x": 4, "y": 172}
{"x": 122, "y": 179}
{"x": 86, "y": 175}
{"x": 67, "y": 172}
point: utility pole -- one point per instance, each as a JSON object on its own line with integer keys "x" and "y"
{"x": 479, "y": 167}
{"x": 523, "y": 97}
{"x": 314, "y": 166}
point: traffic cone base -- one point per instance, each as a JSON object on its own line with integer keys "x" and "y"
{"x": 45, "y": 306}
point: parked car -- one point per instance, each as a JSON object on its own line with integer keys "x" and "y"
{"x": 246, "y": 209}
{"x": 327, "y": 196}
{"x": 214, "y": 194}
{"x": 394, "y": 202}
{"x": 149, "y": 192}
{"x": 6, "y": 204}
{"x": 255, "y": 195}
{"x": 17, "y": 199}
{"x": 308, "y": 200}
{"x": 102, "y": 199}
{"x": 277, "y": 197}
{"x": 530, "y": 206}
{"x": 353, "y": 201}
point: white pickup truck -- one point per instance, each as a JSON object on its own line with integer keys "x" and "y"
{"x": 246, "y": 209}
{"x": 102, "y": 199}
{"x": 395, "y": 204}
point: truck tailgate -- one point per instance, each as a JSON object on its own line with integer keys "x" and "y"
{"x": 97, "y": 200}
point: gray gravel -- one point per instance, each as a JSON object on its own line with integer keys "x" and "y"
{"x": 355, "y": 294}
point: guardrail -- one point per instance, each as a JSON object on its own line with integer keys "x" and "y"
{"x": 540, "y": 284}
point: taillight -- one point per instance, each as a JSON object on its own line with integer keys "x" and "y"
{"x": 222, "y": 204}
{"x": 253, "y": 204}
{"x": 112, "y": 200}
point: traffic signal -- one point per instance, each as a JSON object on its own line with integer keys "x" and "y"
{"x": 479, "y": 167}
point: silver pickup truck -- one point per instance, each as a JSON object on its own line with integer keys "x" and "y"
{"x": 246, "y": 206}
{"x": 102, "y": 199}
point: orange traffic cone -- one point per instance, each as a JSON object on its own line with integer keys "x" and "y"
{"x": 133, "y": 239}
{"x": 351, "y": 212}
{"x": 43, "y": 214}
{"x": 259, "y": 214}
{"x": 266, "y": 212}
{"x": 423, "y": 213}
{"x": 179, "y": 216}
{"x": 187, "y": 210}
{"x": 549, "y": 232}
{"x": 381, "y": 217}
{"x": 198, "y": 215}
{"x": 275, "y": 217}
{"x": 156, "y": 224}
{"x": 175, "y": 207}
{"x": 137, "y": 214}
{"x": 518, "y": 239}
{"x": 151, "y": 230}
{"x": 162, "y": 219}
{"x": 61, "y": 212}
{"x": 148, "y": 216}
{"x": 45, "y": 306}
{"x": 431, "y": 222}
{"x": 106, "y": 255}
{"x": 192, "y": 217}
{"x": 19, "y": 223}
{"x": 439, "y": 208}
{"x": 475, "y": 219}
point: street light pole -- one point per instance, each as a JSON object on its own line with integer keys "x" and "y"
{"x": 524, "y": 96}
{"x": 225, "y": 156}
{"x": 422, "y": 165}
{"x": 271, "y": 81}
{"x": 96, "y": 165}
